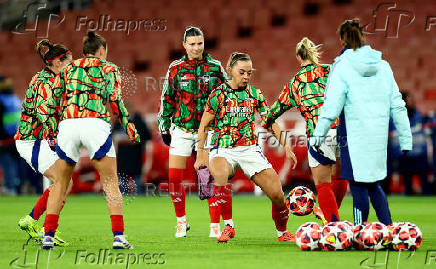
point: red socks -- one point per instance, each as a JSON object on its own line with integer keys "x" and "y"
{"x": 117, "y": 224}
{"x": 214, "y": 210}
{"x": 177, "y": 191}
{"x": 224, "y": 200}
{"x": 339, "y": 188}
{"x": 40, "y": 205}
{"x": 280, "y": 215}
{"x": 327, "y": 201}
{"x": 51, "y": 224}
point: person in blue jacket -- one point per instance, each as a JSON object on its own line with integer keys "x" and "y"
{"x": 362, "y": 87}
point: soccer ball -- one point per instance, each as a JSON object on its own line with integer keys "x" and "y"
{"x": 300, "y": 201}
{"x": 374, "y": 236}
{"x": 406, "y": 236}
{"x": 357, "y": 236}
{"x": 336, "y": 236}
{"x": 308, "y": 236}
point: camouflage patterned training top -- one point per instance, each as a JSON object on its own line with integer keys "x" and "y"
{"x": 234, "y": 112}
{"x": 39, "y": 117}
{"x": 85, "y": 86}
{"x": 187, "y": 86}
{"x": 305, "y": 91}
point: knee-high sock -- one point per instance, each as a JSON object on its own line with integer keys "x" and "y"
{"x": 380, "y": 203}
{"x": 177, "y": 191}
{"x": 224, "y": 199}
{"x": 117, "y": 224}
{"x": 360, "y": 202}
{"x": 40, "y": 205}
{"x": 327, "y": 202}
{"x": 339, "y": 189}
{"x": 214, "y": 210}
{"x": 280, "y": 215}
{"x": 51, "y": 224}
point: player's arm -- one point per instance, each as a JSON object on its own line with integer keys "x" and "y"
{"x": 398, "y": 114}
{"x": 285, "y": 102}
{"x": 263, "y": 109}
{"x": 334, "y": 102}
{"x": 45, "y": 109}
{"x": 202, "y": 153}
{"x": 167, "y": 107}
{"x": 210, "y": 111}
{"x": 118, "y": 107}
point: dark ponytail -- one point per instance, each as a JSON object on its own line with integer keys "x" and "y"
{"x": 92, "y": 42}
{"x": 351, "y": 32}
{"x": 49, "y": 52}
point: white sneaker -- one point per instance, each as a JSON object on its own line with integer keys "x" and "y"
{"x": 182, "y": 228}
{"x": 48, "y": 242}
{"x": 215, "y": 230}
{"x": 120, "y": 242}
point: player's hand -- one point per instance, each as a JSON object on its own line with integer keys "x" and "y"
{"x": 132, "y": 133}
{"x": 202, "y": 159}
{"x": 291, "y": 156}
{"x": 166, "y": 139}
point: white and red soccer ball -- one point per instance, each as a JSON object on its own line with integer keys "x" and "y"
{"x": 372, "y": 236}
{"x": 336, "y": 236}
{"x": 308, "y": 236}
{"x": 405, "y": 236}
{"x": 300, "y": 201}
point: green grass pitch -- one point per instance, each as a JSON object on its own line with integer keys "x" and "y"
{"x": 150, "y": 227}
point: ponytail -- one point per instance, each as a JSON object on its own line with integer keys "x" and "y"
{"x": 50, "y": 52}
{"x": 92, "y": 42}
{"x": 351, "y": 32}
{"x": 307, "y": 50}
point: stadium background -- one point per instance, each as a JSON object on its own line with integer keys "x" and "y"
{"x": 267, "y": 30}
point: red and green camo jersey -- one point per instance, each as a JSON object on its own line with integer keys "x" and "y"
{"x": 305, "y": 91}
{"x": 187, "y": 86}
{"x": 85, "y": 86}
{"x": 234, "y": 112}
{"x": 39, "y": 117}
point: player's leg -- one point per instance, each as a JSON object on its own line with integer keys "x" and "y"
{"x": 221, "y": 170}
{"x": 107, "y": 169}
{"x": 269, "y": 182}
{"x": 380, "y": 203}
{"x": 61, "y": 178}
{"x": 339, "y": 184}
{"x": 326, "y": 198}
{"x": 39, "y": 155}
{"x": 177, "y": 166}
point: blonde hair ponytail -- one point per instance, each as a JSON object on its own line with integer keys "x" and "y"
{"x": 307, "y": 50}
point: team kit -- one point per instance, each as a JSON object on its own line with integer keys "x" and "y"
{"x": 66, "y": 108}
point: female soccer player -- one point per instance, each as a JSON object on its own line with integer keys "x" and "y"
{"x": 363, "y": 86}
{"x": 39, "y": 122}
{"x": 231, "y": 107}
{"x": 84, "y": 88}
{"x": 305, "y": 91}
{"x": 188, "y": 83}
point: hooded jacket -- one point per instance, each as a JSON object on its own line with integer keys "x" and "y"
{"x": 363, "y": 85}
